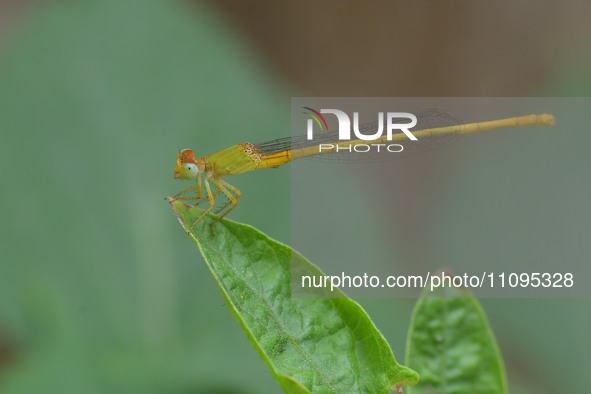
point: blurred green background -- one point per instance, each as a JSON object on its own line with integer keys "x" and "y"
{"x": 100, "y": 290}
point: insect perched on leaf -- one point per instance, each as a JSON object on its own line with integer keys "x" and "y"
{"x": 208, "y": 172}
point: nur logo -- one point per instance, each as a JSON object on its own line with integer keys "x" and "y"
{"x": 399, "y": 121}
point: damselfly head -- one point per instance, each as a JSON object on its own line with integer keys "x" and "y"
{"x": 186, "y": 156}
{"x": 186, "y": 166}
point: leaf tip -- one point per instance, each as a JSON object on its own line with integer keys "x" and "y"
{"x": 399, "y": 386}
{"x": 177, "y": 206}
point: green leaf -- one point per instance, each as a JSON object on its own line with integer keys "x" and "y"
{"x": 451, "y": 345}
{"x": 319, "y": 344}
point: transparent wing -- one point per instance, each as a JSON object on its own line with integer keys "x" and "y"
{"x": 431, "y": 118}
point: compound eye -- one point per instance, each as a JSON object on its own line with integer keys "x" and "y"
{"x": 189, "y": 171}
